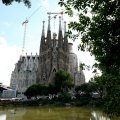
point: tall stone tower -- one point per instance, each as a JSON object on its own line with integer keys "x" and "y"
{"x": 53, "y": 54}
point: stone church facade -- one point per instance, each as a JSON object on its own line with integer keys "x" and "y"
{"x": 55, "y": 53}
{"x": 24, "y": 74}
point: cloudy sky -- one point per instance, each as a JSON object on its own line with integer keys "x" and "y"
{"x": 12, "y": 33}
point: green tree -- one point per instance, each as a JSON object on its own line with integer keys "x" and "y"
{"x": 83, "y": 94}
{"x": 86, "y": 88}
{"x": 32, "y": 91}
{"x": 100, "y": 32}
{"x": 98, "y": 85}
{"x": 99, "y": 27}
{"x": 52, "y": 89}
{"x": 82, "y": 88}
{"x": 36, "y": 90}
{"x": 63, "y": 80}
{"x": 9, "y": 2}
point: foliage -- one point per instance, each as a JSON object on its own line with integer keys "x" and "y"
{"x": 9, "y": 2}
{"x": 36, "y": 90}
{"x": 52, "y": 89}
{"x": 65, "y": 97}
{"x": 88, "y": 94}
{"x": 109, "y": 105}
{"x": 87, "y": 88}
{"x": 98, "y": 83}
{"x": 83, "y": 88}
{"x": 83, "y": 94}
{"x": 99, "y": 27}
{"x": 112, "y": 98}
{"x": 100, "y": 32}
{"x": 63, "y": 80}
{"x": 109, "y": 90}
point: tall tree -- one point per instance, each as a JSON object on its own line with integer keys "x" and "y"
{"x": 63, "y": 80}
{"x": 100, "y": 31}
{"x": 9, "y": 2}
{"x": 99, "y": 27}
{"x": 36, "y": 90}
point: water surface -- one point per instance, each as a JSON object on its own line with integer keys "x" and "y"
{"x": 54, "y": 113}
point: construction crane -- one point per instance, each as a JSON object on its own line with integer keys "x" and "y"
{"x": 25, "y": 27}
{"x": 49, "y": 13}
{"x": 55, "y": 15}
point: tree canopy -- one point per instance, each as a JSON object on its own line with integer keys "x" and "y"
{"x": 63, "y": 80}
{"x": 9, "y": 2}
{"x": 36, "y": 90}
{"x": 99, "y": 27}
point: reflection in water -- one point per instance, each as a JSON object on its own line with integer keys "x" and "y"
{"x": 12, "y": 111}
{"x": 98, "y": 116}
{"x": 3, "y": 117}
{"x": 56, "y": 113}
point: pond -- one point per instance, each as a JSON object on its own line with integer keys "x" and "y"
{"x": 53, "y": 113}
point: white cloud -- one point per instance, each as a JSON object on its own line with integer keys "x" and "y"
{"x": 9, "y": 55}
{"x": 2, "y": 41}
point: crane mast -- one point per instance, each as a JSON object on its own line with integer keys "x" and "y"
{"x": 25, "y": 25}
{"x": 25, "y": 28}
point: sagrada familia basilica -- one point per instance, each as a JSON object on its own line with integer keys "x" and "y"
{"x": 55, "y": 53}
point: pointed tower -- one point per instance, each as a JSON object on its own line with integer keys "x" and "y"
{"x": 42, "y": 43}
{"x": 41, "y": 51}
{"x": 53, "y": 57}
{"x": 65, "y": 39}
{"x": 65, "y": 48}
{"x": 44, "y": 66}
{"x": 60, "y": 36}
{"x": 48, "y": 41}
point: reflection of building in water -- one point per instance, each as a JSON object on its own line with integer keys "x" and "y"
{"x": 98, "y": 116}
{"x": 55, "y": 53}
{"x": 15, "y": 113}
{"x": 3, "y": 117}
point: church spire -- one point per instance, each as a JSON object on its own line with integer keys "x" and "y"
{"x": 48, "y": 23}
{"x": 65, "y": 38}
{"x": 60, "y": 27}
{"x": 48, "y": 41}
{"x": 42, "y": 43}
{"x": 64, "y": 28}
{"x": 43, "y": 29}
{"x": 60, "y": 37}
